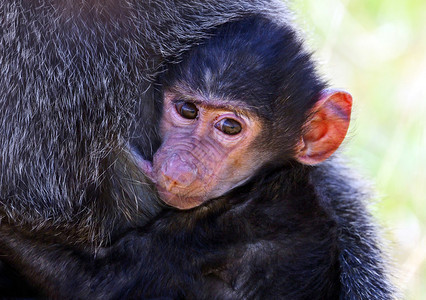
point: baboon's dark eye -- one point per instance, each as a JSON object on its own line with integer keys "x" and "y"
{"x": 229, "y": 126}
{"x": 187, "y": 110}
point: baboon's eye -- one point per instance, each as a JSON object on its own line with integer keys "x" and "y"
{"x": 229, "y": 126}
{"x": 187, "y": 110}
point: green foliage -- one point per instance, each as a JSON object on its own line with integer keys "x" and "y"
{"x": 377, "y": 51}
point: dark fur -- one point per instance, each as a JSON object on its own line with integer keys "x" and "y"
{"x": 80, "y": 221}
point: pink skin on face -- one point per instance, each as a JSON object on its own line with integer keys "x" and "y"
{"x": 202, "y": 156}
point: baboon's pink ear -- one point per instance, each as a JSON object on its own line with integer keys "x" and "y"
{"x": 326, "y": 128}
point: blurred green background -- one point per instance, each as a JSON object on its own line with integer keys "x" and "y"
{"x": 376, "y": 50}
